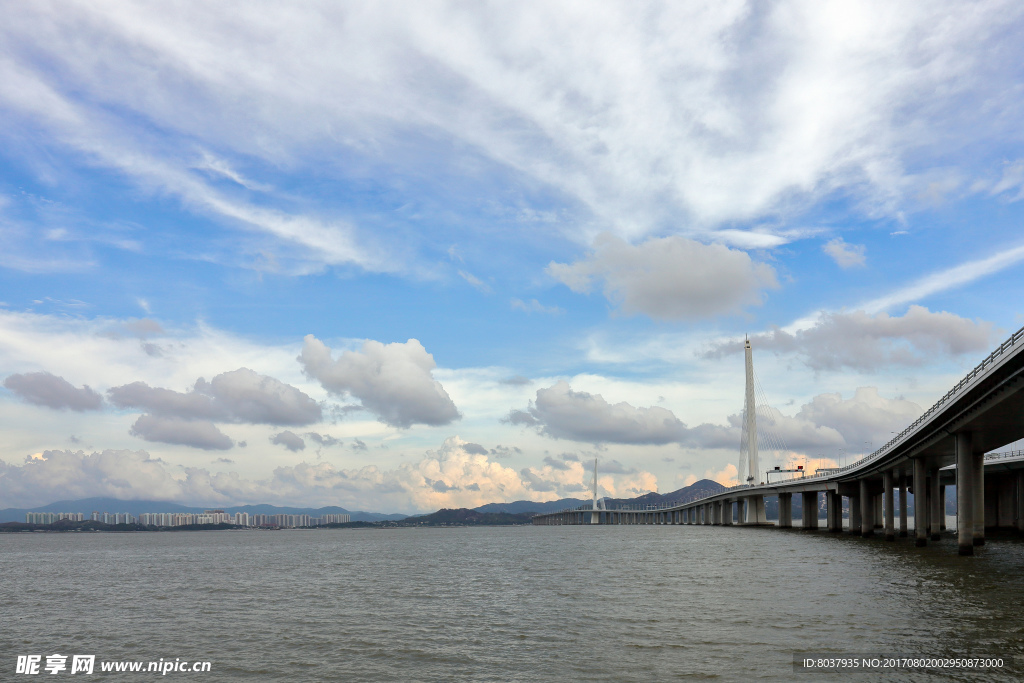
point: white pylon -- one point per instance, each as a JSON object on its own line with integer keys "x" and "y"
{"x": 750, "y": 413}
{"x": 755, "y": 512}
{"x": 595, "y": 516}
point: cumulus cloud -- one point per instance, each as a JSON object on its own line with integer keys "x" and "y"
{"x": 868, "y": 342}
{"x": 670, "y": 278}
{"x": 845, "y": 255}
{"x": 393, "y": 381}
{"x": 289, "y": 440}
{"x": 238, "y": 396}
{"x": 259, "y": 399}
{"x": 866, "y": 420}
{"x": 323, "y": 439}
{"x": 45, "y": 389}
{"x": 167, "y": 402}
{"x": 445, "y": 477}
{"x": 561, "y": 413}
{"x": 828, "y": 421}
{"x": 175, "y": 430}
{"x": 614, "y": 467}
{"x": 500, "y": 451}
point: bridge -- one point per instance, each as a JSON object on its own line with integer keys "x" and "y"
{"x": 947, "y": 445}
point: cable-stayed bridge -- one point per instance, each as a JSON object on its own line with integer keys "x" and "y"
{"x": 947, "y": 445}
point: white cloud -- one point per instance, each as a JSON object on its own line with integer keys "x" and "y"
{"x": 449, "y": 476}
{"x": 175, "y": 430}
{"x": 238, "y": 396}
{"x": 241, "y": 396}
{"x": 534, "y": 306}
{"x": 562, "y": 413}
{"x": 866, "y": 421}
{"x": 476, "y": 282}
{"x": 845, "y": 255}
{"x": 949, "y": 278}
{"x": 670, "y": 278}
{"x": 289, "y": 440}
{"x": 45, "y": 389}
{"x": 393, "y": 381}
{"x": 755, "y": 113}
{"x": 251, "y": 397}
{"x": 869, "y": 342}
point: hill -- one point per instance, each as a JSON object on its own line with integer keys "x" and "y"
{"x": 465, "y": 517}
{"x": 696, "y": 490}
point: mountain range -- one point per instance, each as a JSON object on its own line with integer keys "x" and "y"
{"x": 136, "y": 507}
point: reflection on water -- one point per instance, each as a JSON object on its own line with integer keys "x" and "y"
{"x": 527, "y": 603}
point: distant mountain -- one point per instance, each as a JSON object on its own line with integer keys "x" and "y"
{"x": 464, "y": 517}
{"x": 521, "y": 506}
{"x": 137, "y": 507}
{"x": 698, "y": 489}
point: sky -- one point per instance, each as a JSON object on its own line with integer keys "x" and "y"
{"x": 402, "y": 256}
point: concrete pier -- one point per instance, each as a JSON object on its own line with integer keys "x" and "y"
{"x": 834, "y": 511}
{"x": 965, "y": 493}
{"x": 903, "y": 505}
{"x": 867, "y": 510}
{"x": 1020, "y": 500}
{"x": 785, "y": 510}
{"x": 755, "y": 510}
{"x": 890, "y": 517}
{"x": 937, "y": 504}
{"x": 978, "y": 462}
{"x": 810, "y": 509}
{"x": 942, "y": 506}
{"x": 854, "y": 503}
{"x": 920, "y": 504}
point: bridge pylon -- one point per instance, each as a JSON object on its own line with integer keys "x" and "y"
{"x": 749, "y": 469}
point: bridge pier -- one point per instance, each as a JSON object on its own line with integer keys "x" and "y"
{"x": 1020, "y": 500}
{"x": 867, "y": 510}
{"x": 854, "y": 503}
{"x": 785, "y": 510}
{"x": 890, "y": 531}
{"x": 834, "y": 510}
{"x": 935, "y": 498}
{"x": 979, "y": 497}
{"x": 965, "y": 492}
{"x": 920, "y": 504}
{"x": 942, "y": 506}
{"x": 903, "y": 505}
{"x": 809, "y": 499}
{"x": 727, "y": 513}
{"x": 755, "y": 510}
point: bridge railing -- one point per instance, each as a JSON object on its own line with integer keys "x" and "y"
{"x": 1004, "y": 454}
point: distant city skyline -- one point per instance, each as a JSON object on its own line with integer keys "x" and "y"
{"x": 174, "y": 519}
{"x": 436, "y": 255}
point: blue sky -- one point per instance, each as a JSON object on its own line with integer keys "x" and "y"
{"x": 460, "y": 250}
